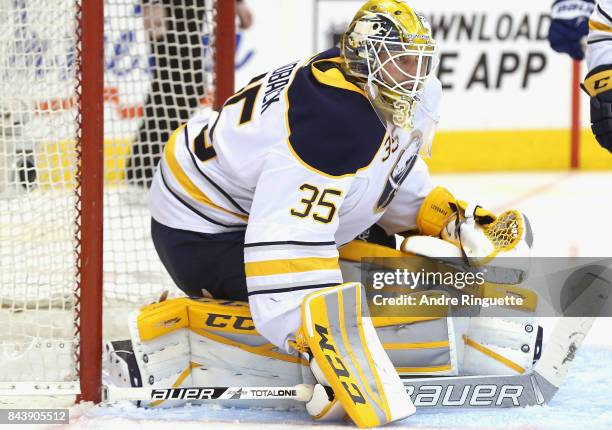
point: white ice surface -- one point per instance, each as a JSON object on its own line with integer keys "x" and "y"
{"x": 583, "y": 402}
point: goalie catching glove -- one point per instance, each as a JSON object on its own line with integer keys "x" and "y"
{"x": 479, "y": 235}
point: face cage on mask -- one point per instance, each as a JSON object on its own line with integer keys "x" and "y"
{"x": 394, "y": 104}
{"x": 378, "y": 69}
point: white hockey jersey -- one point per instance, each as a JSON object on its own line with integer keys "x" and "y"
{"x": 300, "y": 160}
{"x": 599, "y": 42}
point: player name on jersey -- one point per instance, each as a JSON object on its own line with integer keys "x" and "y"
{"x": 276, "y": 83}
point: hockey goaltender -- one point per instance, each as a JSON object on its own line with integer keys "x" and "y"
{"x": 274, "y": 199}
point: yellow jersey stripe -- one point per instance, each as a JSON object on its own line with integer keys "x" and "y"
{"x": 188, "y": 186}
{"x": 294, "y": 265}
{"x": 594, "y": 25}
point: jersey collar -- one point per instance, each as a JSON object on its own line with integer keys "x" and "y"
{"x": 331, "y": 75}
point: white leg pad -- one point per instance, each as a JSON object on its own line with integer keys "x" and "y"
{"x": 221, "y": 364}
{"x": 164, "y": 361}
{"x": 499, "y": 346}
{"x": 188, "y": 345}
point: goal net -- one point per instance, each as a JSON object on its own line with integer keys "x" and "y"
{"x": 160, "y": 67}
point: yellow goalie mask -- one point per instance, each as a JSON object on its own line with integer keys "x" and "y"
{"x": 388, "y": 49}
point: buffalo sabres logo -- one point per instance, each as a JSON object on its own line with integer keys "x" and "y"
{"x": 376, "y": 26}
{"x": 400, "y": 170}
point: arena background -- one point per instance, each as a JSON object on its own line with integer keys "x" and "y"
{"x": 507, "y": 101}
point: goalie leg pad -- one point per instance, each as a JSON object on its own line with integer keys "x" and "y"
{"x": 501, "y": 346}
{"x": 415, "y": 345}
{"x": 120, "y": 364}
{"x": 224, "y": 340}
{"x": 419, "y": 345}
{"x": 349, "y": 354}
{"x": 205, "y": 342}
{"x": 160, "y": 341}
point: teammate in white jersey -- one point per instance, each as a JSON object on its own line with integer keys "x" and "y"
{"x": 573, "y": 21}
{"x": 597, "y": 82}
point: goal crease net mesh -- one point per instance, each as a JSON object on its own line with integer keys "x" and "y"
{"x": 158, "y": 72}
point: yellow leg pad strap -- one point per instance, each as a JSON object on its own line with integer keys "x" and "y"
{"x": 530, "y": 298}
{"x": 495, "y": 356}
{"x": 355, "y": 250}
{"x": 343, "y": 342}
{"x": 177, "y": 383}
{"x": 162, "y": 318}
{"x": 225, "y": 316}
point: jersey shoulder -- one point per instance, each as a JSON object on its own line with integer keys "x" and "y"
{"x": 332, "y": 126}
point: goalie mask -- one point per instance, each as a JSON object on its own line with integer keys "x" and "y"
{"x": 389, "y": 51}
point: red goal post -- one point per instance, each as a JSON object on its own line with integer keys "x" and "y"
{"x": 91, "y": 104}
{"x": 90, "y": 184}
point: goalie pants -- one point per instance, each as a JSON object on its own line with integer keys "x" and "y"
{"x": 203, "y": 264}
{"x": 215, "y": 262}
